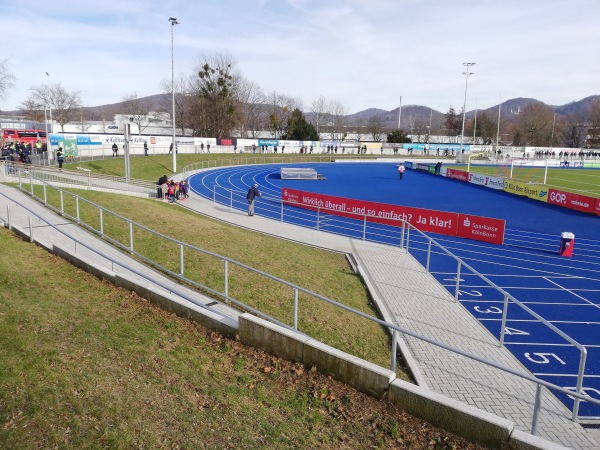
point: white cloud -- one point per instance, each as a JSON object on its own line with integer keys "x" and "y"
{"x": 364, "y": 54}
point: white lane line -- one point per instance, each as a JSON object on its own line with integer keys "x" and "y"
{"x": 573, "y": 293}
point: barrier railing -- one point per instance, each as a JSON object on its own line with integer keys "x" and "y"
{"x": 361, "y": 227}
{"x": 80, "y": 179}
{"x": 279, "y": 159}
{"x": 73, "y": 211}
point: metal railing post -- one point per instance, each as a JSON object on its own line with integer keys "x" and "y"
{"x": 77, "y": 208}
{"x": 62, "y": 203}
{"x": 30, "y": 229}
{"x": 181, "y": 267}
{"x": 457, "y": 280}
{"x": 101, "y": 223}
{"x": 536, "y": 409}
{"x": 296, "y": 309}
{"x": 8, "y": 218}
{"x": 407, "y": 237}
{"x": 402, "y": 234}
{"x": 45, "y": 195}
{"x": 131, "y": 235}
{"x": 226, "y": 278}
{"x": 364, "y": 227}
{"x": 579, "y": 383}
{"x": 281, "y": 219}
{"x": 428, "y": 256}
{"x": 231, "y": 200}
{"x": 318, "y": 218}
{"x": 394, "y": 350}
{"x": 503, "y": 325}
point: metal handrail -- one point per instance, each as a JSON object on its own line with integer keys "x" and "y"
{"x": 278, "y": 159}
{"x": 82, "y": 179}
{"x": 578, "y": 396}
{"x": 405, "y": 236}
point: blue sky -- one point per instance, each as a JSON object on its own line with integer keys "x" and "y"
{"x": 362, "y": 53}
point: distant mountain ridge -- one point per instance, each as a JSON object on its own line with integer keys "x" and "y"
{"x": 412, "y": 115}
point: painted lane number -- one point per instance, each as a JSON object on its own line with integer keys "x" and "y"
{"x": 543, "y": 358}
{"x": 490, "y": 310}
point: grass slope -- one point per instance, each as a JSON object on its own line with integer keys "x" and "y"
{"x": 84, "y": 364}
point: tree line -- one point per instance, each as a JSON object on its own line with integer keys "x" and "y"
{"x": 217, "y": 100}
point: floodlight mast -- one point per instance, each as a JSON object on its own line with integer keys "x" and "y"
{"x": 468, "y": 65}
{"x": 174, "y": 22}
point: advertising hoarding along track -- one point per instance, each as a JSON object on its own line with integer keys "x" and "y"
{"x": 447, "y": 223}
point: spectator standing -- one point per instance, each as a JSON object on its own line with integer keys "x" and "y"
{"x": 145, "y": 148}
{"x": 161, "y": 182}
{"x": 60, "y": 158}
{"x": 115, "y": 149}
{"x": 252, "y": 194}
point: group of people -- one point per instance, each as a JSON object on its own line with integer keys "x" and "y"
{"x": 21, "y": 151}
{"x": 115, "y": 149}
{"x": 171, "y": 190}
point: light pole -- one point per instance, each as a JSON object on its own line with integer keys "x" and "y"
{"x": 174, "y": 22}
{"x": 49, "y": 107}
{"x": 400, "y": 112}
{"x": 475, "y": 123}
{"x": 467, "y": 73}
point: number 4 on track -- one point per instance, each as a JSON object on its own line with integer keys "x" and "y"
{"x": 515, "y": 332}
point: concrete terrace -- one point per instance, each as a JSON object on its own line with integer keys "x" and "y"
{"x": 408, "y": 296}
{"x": 405, "y": 294}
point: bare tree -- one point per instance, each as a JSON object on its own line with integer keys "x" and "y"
{"x": 573, "y": 133}
{"x": 375, "y": 128}
{"x": 64, "y": 104}
{"x": 535, "y": 124}
{"x": 215, "y": 86}
{"x": 281, "y": 107}
{"x": 33, "y": 110}
{"x": 319, "y": 113}
{"x": 136, "y": 111}
{"x": 337, "y": 119}
{"x": 251, "y": 100}
{"x": 7, "y": 79}
{"x": 486, "y": 129}
{"x": 184, "y": 101}
{"x": 594, "y": 121}
{"x": 360, "y": 127}
{"x": 84, "y": 124}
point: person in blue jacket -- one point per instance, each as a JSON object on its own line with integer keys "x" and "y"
{"x": 252, "y": 194}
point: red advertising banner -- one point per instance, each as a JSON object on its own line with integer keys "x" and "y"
{"x": 481, "y": 228}
{"x": 572, "y": 201}
{"x": 457, "y": 174}
{"x": 441, "y": 222}
{"x": 598, "y": 206}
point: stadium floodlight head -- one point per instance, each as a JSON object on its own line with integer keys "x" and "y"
{"x": 173, "y": 20}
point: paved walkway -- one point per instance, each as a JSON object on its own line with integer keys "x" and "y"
{"x": 406, "y": 294}
{"x": 413, "y": 299}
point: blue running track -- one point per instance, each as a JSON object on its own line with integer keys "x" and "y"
{"x": 564, "y": 291}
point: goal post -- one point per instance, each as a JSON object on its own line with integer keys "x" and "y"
{"x": 474, "y": 155}
{"x": 524, "y": 169}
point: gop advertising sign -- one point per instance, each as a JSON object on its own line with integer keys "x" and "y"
{"x": 426, "y": 220}
{"x": 572, "y": 201}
